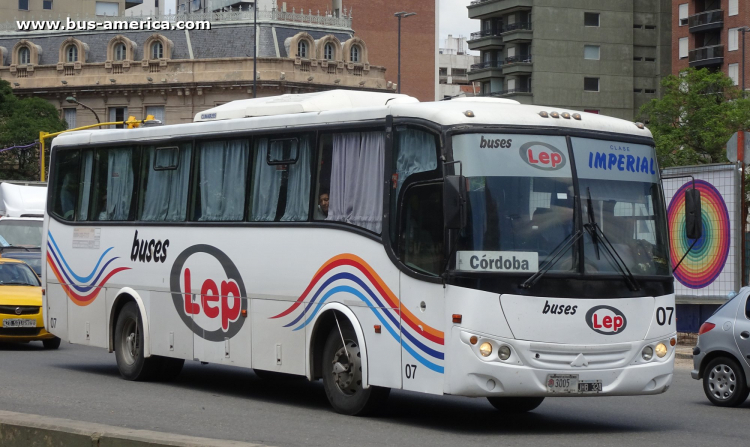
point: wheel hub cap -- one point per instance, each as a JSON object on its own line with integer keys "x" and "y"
{"x": 722, "y": 382}
{"x": 347, "y": 370}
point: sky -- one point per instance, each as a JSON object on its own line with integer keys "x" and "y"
{"x": 454, "y": 19}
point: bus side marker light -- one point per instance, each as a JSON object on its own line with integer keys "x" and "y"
{"x": 377, "y": 328}
{"x": 544, "y": 114}
{"x": 554, "y": 115}
{"x": 473, "y": 340}
{"x": 672, "y": 342}
{"x": 577, "y": 116}
{"x": 485, "y": 349}
{"x": 661, "y": 350}
{"x": 566, "y": 115}
{"x": 244, "y": 313}
{"x": 457, "y": 318}
{"x": 469, "y": 114}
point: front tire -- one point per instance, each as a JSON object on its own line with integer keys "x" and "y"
{"x": 129, "y": 346}
{"x": 51, "y": 343}
{"x": 724, "y": 382}
{"x": 342, "y": 376}
{"x": 515, "y": 405}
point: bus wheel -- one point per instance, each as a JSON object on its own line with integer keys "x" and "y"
{"x": 510, "y": 405}
{"x": 52, "y": 343}
{"x": 129, "y": 346}
{"x": 342, "y": 376}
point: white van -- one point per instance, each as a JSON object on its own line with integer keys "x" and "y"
{"x": 21, "y": 220}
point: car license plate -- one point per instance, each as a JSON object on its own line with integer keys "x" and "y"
{"x": 19, "y": 322}
{"x": 590, "y": 386}
{"x": 569, "y": 383}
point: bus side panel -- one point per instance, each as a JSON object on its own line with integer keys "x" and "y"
{"x": 170, "y": 337}
{"x": 87, "y": 324}
{"x": 383, "y": 359}
{"x": 56, "y": 311}
{"x": 235, "y": 350}
{"x": 274, "y": 349}
{"x": 422, "y": 335}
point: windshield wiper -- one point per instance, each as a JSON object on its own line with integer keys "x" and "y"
{"x": 598, "y": 235}
{"x": 556, "y": 256}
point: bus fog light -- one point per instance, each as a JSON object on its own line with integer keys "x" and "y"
{"x": 647, "y": 353}
{"x": 503, "y": 352}
{"x": 661, "y": 350}
{"x": 485, "y": 349}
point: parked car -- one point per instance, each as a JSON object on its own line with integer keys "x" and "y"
{"x": 722, "y": 356}
{"x": 21, "y": 305}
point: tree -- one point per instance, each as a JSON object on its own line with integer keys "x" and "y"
{"x": 21, "y": 120}
{"x": 696, "y": 116}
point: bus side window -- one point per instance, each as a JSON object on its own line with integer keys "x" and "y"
{"x": 281, "y": 179}
{"x": 220, "y": 180}
{"x": 84, "y": 197}
{"x": 421, "y": 245}
{"x": 355, "y": 192}
{"x": 164, "y": 183}
{"x": 114, "y": 184}
{"x": 66, "y": 182}
{"x": 414, "y": 151}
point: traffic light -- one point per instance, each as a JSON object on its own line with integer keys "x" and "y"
{"x": 132, "y": 123}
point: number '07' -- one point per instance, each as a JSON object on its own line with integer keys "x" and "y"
{"x": 411, "y": 371}
{"x": 661, "y": 315}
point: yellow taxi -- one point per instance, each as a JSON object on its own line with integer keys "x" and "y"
{"x": 21, "y": 305}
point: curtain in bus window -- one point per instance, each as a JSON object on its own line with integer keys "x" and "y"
{"x": 85, "y": 189}
{"x": 416, "y": 153}
{"x": 356, "y": 194}
{"x": 119, "y": 183}
{"x": 298, "y": 186}
{"x": 266, "y": 183}
{"x": 166, "y": 190}
{"x": 223, "y": 166}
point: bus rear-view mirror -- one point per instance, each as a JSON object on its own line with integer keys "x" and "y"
{"x": 693, "y": 217}
{"x": 454, "y": 202}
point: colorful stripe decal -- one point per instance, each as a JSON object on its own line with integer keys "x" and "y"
{"x": 80, "y": 294}
{"x": 381, "y": 301}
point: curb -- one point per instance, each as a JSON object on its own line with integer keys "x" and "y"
{"x": 30, "y": 430}
{"x": 684, "y": 352}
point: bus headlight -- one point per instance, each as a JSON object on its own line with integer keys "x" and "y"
{"x": 647, "y": 353}
{"x": 661, "y": 350}
{"x": 503, "y": 352}
{"x": 485, "y": 349}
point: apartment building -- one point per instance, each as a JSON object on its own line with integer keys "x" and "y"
{"x": 603, "y": 57}
{"x": 454, "y": 63}
{"x": 709, "y": 34}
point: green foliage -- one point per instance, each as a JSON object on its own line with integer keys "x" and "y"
{"x": 698, "y": 113}
{"x": 21, "y": 120}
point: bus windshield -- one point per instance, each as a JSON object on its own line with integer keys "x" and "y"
{"x": 520, "y": 202}
{"x": 521, "y": 207}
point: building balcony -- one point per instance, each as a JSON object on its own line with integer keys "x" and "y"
{"x": 706, "y": 21}
{"x": 515, "y": 32}
{"x": 525, "y": 91}
{"x": 486, "y": 70}
{"x": 518, "y": 65}
{"x": 481, "y": 8}
{"x": 486, "y": 40}
{"x": 706, "y": 56}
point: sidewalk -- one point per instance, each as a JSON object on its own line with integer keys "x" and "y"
{"x": 684, "y": 352}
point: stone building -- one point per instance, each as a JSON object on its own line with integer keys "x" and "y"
{"x": 175, "y": 74}
{"x": 708, "y": 34}
{"x": 49, "y": 9}
{"x": 607, "y": 56}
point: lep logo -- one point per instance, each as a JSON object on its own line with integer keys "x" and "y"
{"x": 542, "y": 156}
{"x": 606, "y": 320}
{"x": 214, "y": 313}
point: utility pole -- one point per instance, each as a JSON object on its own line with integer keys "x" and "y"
{"x": 401, "y": 15}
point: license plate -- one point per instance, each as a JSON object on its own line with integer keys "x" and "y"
{"x": 569, "y": 383}
{"x": 590, "y": 386}
{"x": 19, "y": 322}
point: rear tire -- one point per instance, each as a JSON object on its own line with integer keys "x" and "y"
{"x": 515, "y": 405}
{"x": 724, "y": 382}
{"x": 52, "y": 343}
{"x": 129, "y": 346}
{"x": 342, "y": 376}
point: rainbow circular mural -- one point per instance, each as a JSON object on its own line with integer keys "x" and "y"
{"x": 706, "y": 260}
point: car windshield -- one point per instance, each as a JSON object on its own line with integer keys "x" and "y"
{"x": 623, "y": 181}
{"x": 520, "y": 202}
{"x": 35, "y": 262}
{"x": 13, "y": 274}
{"x": 26, "y": 233}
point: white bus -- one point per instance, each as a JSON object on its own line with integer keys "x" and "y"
{"x": 474, "y": 247}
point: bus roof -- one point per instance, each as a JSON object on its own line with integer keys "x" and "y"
{"x": 341, "y": 106}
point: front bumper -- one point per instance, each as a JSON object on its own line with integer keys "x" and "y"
{"x": 22, "y": 335}
{"x": 619, "y": 366}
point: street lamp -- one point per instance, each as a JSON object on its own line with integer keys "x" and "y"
{"x": 255, "y": 49}
{"x": 72, "y": 100}
{"x": 401, "y": 15}
{"x": 743, "y": 30}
